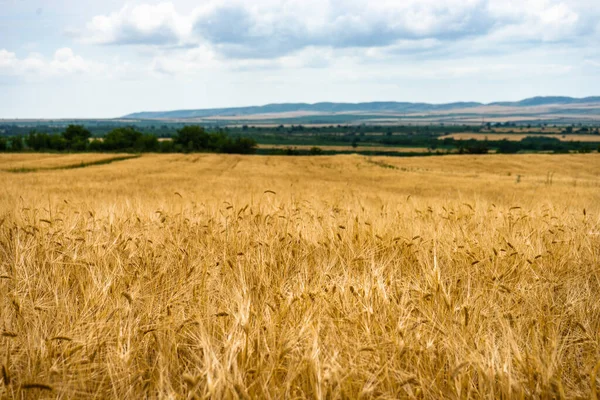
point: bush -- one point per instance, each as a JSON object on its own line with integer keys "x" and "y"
{"x": 508, "y": 147}
{"x": 315, "y": 151}
{"x": 584, "y": 149}
{"x": 96, "y": 145}
{"x": 290, "y": 151}
{"x": 473, "y": 147}
{"x": 166, "y": 146}
{"x": 241, "y": 145}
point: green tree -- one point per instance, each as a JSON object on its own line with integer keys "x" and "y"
{"x": 57, "y": 142}
{"x": 16, "y": 143}
{"x": 241, "y": 145}
{"x": 166, "y": 146}
{"x": 76, "y": 137}
{"x": 125, "y": 139}
{"x": 37, "y": 141}
{"x": 96, "y": 145}
{"x": 192, "y": 138}
{"x": 508, "y": 147}
{"x": 147, "y": 143}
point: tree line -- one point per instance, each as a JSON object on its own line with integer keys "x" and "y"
{"x": 77, "y": 138}
{"x": 195, "y": 138}
{"x": 527, "y": 144}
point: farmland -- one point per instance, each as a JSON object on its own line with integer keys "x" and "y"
{"x": 236, "y": 276}
{"x": 367, "y": 140}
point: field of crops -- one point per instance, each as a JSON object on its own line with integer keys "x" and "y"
{"x": 225, "y": 276}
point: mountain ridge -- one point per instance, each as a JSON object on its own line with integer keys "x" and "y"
{"x": 335, "y": 107}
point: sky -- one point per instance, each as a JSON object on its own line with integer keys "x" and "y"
{"x": 105, "y": 59}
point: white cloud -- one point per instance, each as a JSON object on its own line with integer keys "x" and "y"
{"x": 188, "y": 62}
{"x": 7, "y": 59}
{"x": 544, "y": 20}
{"x": 592, "y": 63}
{"x": 452, "y": 71}
{"x": 64, "y": 62}
{"x": 271, "y": 29}
{"x": 265, "y": 29}
{"x": 142, "y": 24}
{"x": 203, "y": 59}
{"x": 230, "y": 35}
{"x": 275, "y": 28}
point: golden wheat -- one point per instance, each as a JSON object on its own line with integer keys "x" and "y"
{"x": 193, "y": 276}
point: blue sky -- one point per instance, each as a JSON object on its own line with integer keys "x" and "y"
{"x": 92, "y": 59}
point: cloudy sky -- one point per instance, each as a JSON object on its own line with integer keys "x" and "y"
{"x": 107, "y": 58}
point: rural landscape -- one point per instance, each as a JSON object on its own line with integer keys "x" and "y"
{"x": 340, "y": 128}
{"x": 285, "y": 199}
{"x": 175, "y": 258}
{"x": 236, "y": 276}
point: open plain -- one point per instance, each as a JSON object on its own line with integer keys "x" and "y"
{"x": 226, "y": 276}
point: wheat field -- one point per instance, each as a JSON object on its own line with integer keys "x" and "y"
{"x": 223, "y": 276}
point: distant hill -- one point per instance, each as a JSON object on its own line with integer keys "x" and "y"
{"x": 550, "y": 100}
{"x": 375, "y": 107}
{"x": 372, "y": 107}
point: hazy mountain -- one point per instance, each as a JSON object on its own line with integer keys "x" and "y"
{"x": 372, "y": 107}
{"x": 549, "y": 100}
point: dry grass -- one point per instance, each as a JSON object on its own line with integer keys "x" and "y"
{"x": 192, "y": 276}
{"x": 518, "y": 137}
